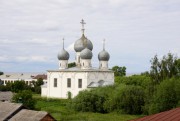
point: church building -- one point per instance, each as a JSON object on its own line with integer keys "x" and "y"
{"x": 67, "y": 82}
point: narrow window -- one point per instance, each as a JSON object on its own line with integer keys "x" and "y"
{"x": 68, "y": 82}
{"x": 79, "y": 83}
{"x": 83, "y": 64}
{"x": 55, "y": 82}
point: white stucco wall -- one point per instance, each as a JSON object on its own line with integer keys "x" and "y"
{"x": 61, "y": 91}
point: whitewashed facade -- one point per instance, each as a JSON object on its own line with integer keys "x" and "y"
{"x": 66, "y": 80}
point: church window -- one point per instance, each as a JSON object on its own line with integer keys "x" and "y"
{"x": 68, "y": 82}
{"x": 79, "y": 83}
{"x": 60, "y": 64}
{"x": 55, "y": 82}
{"x": 83, "y": 64}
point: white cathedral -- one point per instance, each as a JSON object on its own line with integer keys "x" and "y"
{"x": 66, "y": 82}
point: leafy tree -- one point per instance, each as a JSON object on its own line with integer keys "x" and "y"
{"x": 1, "y": 82}
{"x": 25, "y": 97}
{"x": 166, "y": 97}
{"x": 1, "y": 73}
{"x": 19, "y": 86}
{"x": 36, "y": 85}
{"x": 119, "y": 71}
{"x": 70, "y": 65}
{"x": 177, "y": 64}
{"x": 129, "y": 99}
{"x": 163, "y": 69}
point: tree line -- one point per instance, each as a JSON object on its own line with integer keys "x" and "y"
{"x": 148, "y": 93}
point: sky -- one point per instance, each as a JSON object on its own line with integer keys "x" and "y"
{"x": 31, "y": 31}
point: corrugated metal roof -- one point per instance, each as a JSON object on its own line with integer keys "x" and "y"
{"x": 171, "y": 115}
{"x": 6, "y": 96}
{"x": 29, "y": 115}
{"x": 8, "y": 109}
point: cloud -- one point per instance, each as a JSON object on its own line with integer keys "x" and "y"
{"x": 32, "y": 30}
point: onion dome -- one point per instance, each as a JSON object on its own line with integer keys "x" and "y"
{"x": 80, "y": 44}
{"x": 63, "y": 54}
{"x": 83, "y": 42}
{"x": 86, "y": 54}
{"x": 103, "y": 55}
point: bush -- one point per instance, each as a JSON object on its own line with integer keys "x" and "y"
{"x": 25, "y": 97}
{"x": 126, "y": 98}
{"x": 166, "y": 96}
{"x": 129, "y": 99}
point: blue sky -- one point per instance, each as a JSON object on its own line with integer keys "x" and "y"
{"x": 135, "y": 30}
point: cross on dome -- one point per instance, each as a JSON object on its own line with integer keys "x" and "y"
{"x": 82, "y": 22}
{"x": 104, "y": 44}
{"x": 63, "y": 42}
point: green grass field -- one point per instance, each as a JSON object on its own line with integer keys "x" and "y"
{"x": 58, "y": 109}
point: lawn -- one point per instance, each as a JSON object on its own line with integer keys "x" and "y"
{"x": 58, "y": 109}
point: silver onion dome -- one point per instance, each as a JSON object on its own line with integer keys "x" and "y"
{"x": 86, "y": 54}
{"x": 80, "y": 44}
{"x": 103, "y": 56}
{"x": 63, "y": 55}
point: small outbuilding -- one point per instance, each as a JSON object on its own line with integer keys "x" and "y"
{"x": 17, "y": 112}
{"x": 31, "y": 115}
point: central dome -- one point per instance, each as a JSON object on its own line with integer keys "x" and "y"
{"x": 81, "y": 44}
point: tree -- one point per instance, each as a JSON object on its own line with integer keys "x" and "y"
{"x": 25, "y": 97}
{"x": 70, "y": 65}
{"x": 177, "y": 64}
{"x": 164, "y": 68}
{"x": 19, "y": 86}
{"x": 1, "y": 73}
{"x": 119, "y": 71}
{"x": 166, "y": 96}
{"x": 37, "y": 85}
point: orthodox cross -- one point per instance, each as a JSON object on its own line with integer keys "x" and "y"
{"x": 104, "y": 44}
{"x": 63, "y": 42}
{"x": 82, "y": 22}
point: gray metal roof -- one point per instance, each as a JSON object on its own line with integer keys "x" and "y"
{"x": 18, "y": 76}
{"x": 6, "y": 96}
{"x": 103, "y": 56}
{"x": 82, "y": 43}
{"x": 100, "y": 83}
{"x": 8, "y": 109}
{"x": 86, "y": 54}
{"x": 63, "y": 55}
{"x": 77, "y": 69}
{"x": 29, "y": 115}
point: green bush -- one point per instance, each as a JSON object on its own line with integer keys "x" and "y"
{"x": 166, "y": 96}
{"x": 126, "y": 98}
{"x": 25, "y": 97}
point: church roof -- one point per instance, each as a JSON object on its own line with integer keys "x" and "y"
{"x": 77, "y": 69}
{"x": 82, "y": 43}
{"x": 101, "y": 83}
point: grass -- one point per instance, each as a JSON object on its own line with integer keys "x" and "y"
{"x": 58, "y": 109}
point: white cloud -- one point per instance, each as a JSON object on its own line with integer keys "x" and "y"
{"x": 31, "y": 30}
